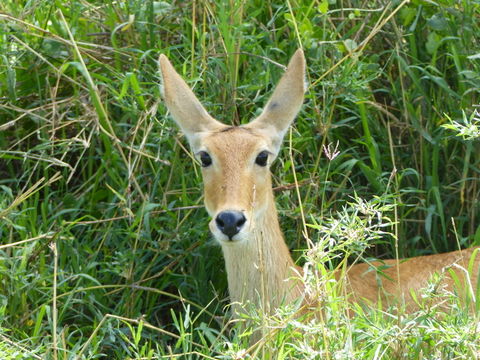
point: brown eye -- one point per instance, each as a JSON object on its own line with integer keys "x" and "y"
{"x": 205, "y": 159}
{"x": 262, "y": 158}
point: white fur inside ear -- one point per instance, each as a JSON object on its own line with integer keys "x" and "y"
{"x": 160, "y": 83}
{"x": 162, "y": 88}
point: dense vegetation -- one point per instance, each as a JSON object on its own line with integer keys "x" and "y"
{"x": 104, "y": 248}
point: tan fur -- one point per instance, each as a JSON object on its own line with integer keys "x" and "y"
{"x": 415, "y": 273}
{"x": 259, "y": 267}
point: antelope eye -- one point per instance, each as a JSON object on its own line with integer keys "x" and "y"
{"x": 205, "y": 159}
{"x": 262, "y": 158}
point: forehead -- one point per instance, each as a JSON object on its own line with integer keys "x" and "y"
{"x": 234, "y": 140}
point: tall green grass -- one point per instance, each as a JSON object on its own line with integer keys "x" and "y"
{"x": 90, "y": 163}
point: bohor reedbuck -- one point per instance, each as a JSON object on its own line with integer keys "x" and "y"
{"x": 238, "y": 192}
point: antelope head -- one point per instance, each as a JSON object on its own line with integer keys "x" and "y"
{"x": 235, "y": 160}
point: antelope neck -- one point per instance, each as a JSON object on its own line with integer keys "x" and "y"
{"x": 269, "y": 279}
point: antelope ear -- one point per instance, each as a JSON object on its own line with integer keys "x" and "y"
{"x": 285, "y": 102}
{"x": 186, "y": 110}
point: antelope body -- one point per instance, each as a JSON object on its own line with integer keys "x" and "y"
{"x": 239, "y": 198}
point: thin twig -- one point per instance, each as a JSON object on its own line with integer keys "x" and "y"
{"x": 24, "y": 350}
{"x": 43, "y": 236}
{"x": 53, "y": 247}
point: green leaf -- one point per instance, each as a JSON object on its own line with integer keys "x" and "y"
{"x": 350, "y": 45}
{"x": 476, "y": 237}
{"x": 438, "y": 22}
{"x": 323, "y": 7}
{"x": 407, "y": 14}
{"x": 11, "y": 79}
{"x": 433, "y": 42}
{"x": 371, "y": 175}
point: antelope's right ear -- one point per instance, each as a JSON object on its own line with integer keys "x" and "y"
{"x": 185, "y": 108}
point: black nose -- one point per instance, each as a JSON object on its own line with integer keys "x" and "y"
{"x": 230, "y": 222}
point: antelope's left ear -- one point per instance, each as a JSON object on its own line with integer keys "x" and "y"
{"x": 285, "y": 103}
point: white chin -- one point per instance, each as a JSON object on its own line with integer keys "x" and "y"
{"x": 224, "y": 240}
